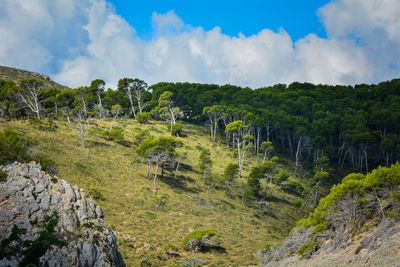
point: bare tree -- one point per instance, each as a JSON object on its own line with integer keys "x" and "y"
{"x": 29, "y": 95}
{"x": 139, "y": 88}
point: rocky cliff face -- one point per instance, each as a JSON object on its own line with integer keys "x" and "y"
{"x": 46, "y": 221}
{"x": 378, "y": 246}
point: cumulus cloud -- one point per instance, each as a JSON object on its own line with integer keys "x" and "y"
{"x": 78, "y": 41}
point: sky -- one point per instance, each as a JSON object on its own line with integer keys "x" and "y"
{"x": 252, "y": 43}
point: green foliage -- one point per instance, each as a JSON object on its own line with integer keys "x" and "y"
{"x": 176, "y": 129}
{"x": 170, "y": 246}
{"x": 281, "y": 178}
{"x": 254, "y": 186}
{"x": 50, "y": 126}
{"x": 231, "y": 171}
{"x": 143, "y": 118}
{"x": 96, "y": 194}
{"x": 267, "y": 246}
{"x": 116, "y": 134}
{"x": 46, "y": 163}
{"x": 31, "y": 250}
{"x": 306, "y": 249}
{"x": 205, "y": 162}
{"x": 46, "y": 239}
{"x": 197, "y": 235}
{"x": 3, "y": 177}
{"x": 352, "y": 183}
{"x": 297, "y": 203}
{"x": 14, "y": 146}
{"x": 293, "y": 187}
{"x": 7, "y": 251}
{"x": 319, "y": 228}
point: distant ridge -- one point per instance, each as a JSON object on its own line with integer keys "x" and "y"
{"x": 17, "y": 74}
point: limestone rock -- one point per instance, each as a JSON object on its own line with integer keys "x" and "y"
{"x": 49, "y": 222}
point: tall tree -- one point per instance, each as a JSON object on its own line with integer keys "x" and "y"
{"x": 167, "y": 109}
{"x": 241, "y": 137}
{"x": 97, "y": 88}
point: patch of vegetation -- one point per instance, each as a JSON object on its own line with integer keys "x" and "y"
{"x": 196, "y": 240}
{"x": 267, "y": 246}
{"x": 54, "y": 180}
{"x": 95, "y": 194}
{"x": 7, "y": 251}
{"x": 354, "y": 183}
{"x": 14, "y": 146}
{"x": 143, "y": 118}
{"x": 3, "y": 177}
{"x": 46, "y": 239}
{"x": 116, "y": 134}
{"x": 293, "y": 187}
{"x": 307, "y": 249}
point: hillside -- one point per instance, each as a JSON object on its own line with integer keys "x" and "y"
{"x": 356, "y": 224}
{"x": 16, "y": 75}
{"x": 148, "y": 221}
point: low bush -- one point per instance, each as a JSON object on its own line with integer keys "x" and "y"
{"x": 293, "y": 187}
{"x": 3, "y": 177}
{"x": 143, "y": 118}
{"x": 177, "y": 129}
{"x": 96, "y": 194}
{"x": 200, "y": 240}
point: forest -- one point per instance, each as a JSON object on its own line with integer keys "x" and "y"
{"x": 337, "y": 129}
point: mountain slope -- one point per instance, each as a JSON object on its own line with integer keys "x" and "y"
{"x": 148, "y": 221}
{"x": 17, "y": 74}
{"x": 357, "y": 224}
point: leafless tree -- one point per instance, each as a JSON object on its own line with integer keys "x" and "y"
{"x": 29, "y": 95}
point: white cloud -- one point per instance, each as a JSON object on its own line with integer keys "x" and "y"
{"x": 78, "y": 41}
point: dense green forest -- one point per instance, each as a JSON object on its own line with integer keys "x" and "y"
{"x": 319, "y": 127}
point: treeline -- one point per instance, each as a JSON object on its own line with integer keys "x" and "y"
{"x": 345, "y": 128}
{"x": 355, "y": 128}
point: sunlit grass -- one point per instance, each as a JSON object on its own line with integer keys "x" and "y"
{"x": 146, "y": 220}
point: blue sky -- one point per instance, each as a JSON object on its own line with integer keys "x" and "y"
{"x": 297, "y": 17}
{"x": 328, "y": 42}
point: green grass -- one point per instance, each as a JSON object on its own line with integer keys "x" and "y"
{"x": 146, "y": 220}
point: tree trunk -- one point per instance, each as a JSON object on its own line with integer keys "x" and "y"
{"x": 155, "y": 178}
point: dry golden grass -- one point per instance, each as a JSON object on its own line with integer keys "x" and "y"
{"x": 146, "y": 220}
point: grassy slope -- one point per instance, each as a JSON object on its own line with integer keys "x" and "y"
{"x": 17, "y": 74}
{"x": 143, "y": 223}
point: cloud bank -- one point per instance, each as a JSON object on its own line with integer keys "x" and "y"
{"x": 78, "y": 41}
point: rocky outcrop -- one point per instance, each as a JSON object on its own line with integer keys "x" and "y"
{"x": 46, "y": 221}
{"x": 379, "y": 246}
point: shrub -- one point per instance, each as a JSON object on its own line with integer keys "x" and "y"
{"x": 177, "y": 129}
{"x": 297, "y": 203}
{"x": 267, "y": 246}
{"x": 200, "y": 240}
{"x": 281, "y": 178}
{"x": 293, "y": 187}
{"x": 254, "y": 186}
{"x": 46, "y": 163}
{"x": 3, "y": 177}
{"x": 143, "y": 117}
{"x": 14, "y": 146}
{"x": 96, "y": 194}
{"x": 307, "y": 249}
{"x": 115, "y": 134}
